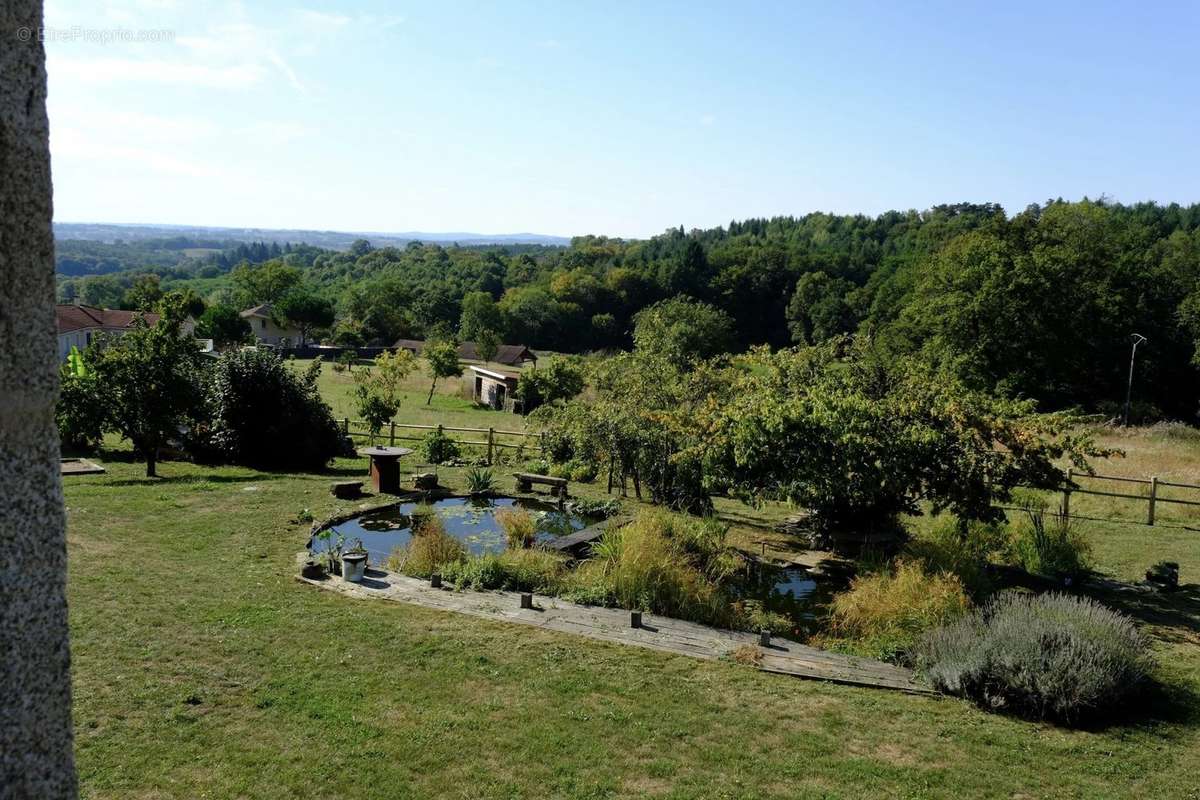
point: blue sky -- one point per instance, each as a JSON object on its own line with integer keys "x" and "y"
{"x": 611, "y": 118}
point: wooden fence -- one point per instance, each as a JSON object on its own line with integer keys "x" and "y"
{"x": 1152, "y": 498}
{"x": 496, "y": 440}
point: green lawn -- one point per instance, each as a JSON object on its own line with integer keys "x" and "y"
{"x": 202, "y": 669}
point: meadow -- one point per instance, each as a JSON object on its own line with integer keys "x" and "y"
{"x": 203, "y": 669}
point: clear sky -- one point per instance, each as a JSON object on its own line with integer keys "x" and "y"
{"x": 611, "y": 117}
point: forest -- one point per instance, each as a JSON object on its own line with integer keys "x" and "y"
{"x": 1040, "y": 305}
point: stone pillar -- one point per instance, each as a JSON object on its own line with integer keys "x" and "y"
{"x": 36, "y": 758}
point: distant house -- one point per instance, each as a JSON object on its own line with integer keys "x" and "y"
{"x": 493, "y": 387}
{"x": 266, "y": 330}
{"x": 511, "y": 355}
{"x": 78, "y": 325}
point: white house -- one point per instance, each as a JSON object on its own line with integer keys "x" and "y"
{"x": 78, "y": 325}
{"x": 265, "y": 329}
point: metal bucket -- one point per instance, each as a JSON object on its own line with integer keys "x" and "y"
{"x": 353, "y": 566}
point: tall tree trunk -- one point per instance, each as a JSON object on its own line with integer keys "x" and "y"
{"x": 36, "y": 757}
{"x": 432, "y": 386}
{"x": 151, "y": 462}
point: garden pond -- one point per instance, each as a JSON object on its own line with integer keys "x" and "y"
{"x": 470, "y": 520}
{"x": 792, "y": 591}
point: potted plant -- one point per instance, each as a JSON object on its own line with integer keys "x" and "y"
{"x": 354, "y": 562}
{"x": 334, "y": 542}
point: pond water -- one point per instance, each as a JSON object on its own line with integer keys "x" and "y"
{"x": 470, "y": 520}
{"x": 794, "y": 592}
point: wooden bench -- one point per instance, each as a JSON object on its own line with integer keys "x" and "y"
{"x": 526, "y": 480}
{"x": 346, "y": 490}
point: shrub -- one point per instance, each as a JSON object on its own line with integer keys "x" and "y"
{"x": 480, "y": 481}
{"x": 560, "y": 471}
{"x": 582, "y": 472}
{"x": 263, "y": 414}
{"x": 519, "y": 526}
{"x": 1055, "y": 547}
{"x": 533, "y": 570}
{"x": 530, "y": 570}
{"x": 1040, "y": 656}
{"x": 80, "y": 412}
{"x": 438, "y": 448}
{"x": 883, "y": 614}
{"x": 947, "y": 547}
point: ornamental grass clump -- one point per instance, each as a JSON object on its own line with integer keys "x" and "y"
{"x": 519, "y": 526}
{"x": 655, "y": 564}
{"x": 1051, "y": 656}
{"x": 884, "y": 614}
{"x": 1052, "y": 545}
{"x": 430, "y": 550}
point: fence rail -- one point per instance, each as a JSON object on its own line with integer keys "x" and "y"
{"x": 356, "y": 427}
{"x": 1152, "y": 500}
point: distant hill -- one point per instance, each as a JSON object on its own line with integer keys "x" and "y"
{"x": 334, "y": 240}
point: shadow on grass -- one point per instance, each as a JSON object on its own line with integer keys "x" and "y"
{"x": 257, "y": 477}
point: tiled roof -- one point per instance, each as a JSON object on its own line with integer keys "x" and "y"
{"x": 77, "y": 318}
{"x": 510, "y": 354}
{"x": 263, "y": 310}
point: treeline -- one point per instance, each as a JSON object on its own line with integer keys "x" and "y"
{"x": 1040, "y": 305}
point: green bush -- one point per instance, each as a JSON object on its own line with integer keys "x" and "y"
{"x": 965, "y": 553}
{"x": 1040, "y": 656}
{"x": 1054, "y": 546}
{"x": 582, "y": 472}
{"x": 438, "y": 448}
{"x": 80, "y": 412}
{"x": 261, "y": 413}
{"x": 884, "y": 614}
{"x": 527, "y": 570}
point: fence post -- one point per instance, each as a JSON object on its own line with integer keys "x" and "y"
{"x": 1153, "y": 495}
{"x": 491, "y": 443}
{"x": 346, "y": 426}
{"x": 392, "y": 439}
{"x": 1066, "y": 508}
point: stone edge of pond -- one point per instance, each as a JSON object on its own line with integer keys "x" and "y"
{"x": 663, "y": 634}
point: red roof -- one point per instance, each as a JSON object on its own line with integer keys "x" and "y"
{"x": 77, "y": 318}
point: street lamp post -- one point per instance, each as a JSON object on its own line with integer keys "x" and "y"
{"x": 1137, "y": 339}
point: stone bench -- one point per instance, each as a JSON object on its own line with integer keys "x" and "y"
{"x": 526, "y": 480}
{"x": 346, "y": 490}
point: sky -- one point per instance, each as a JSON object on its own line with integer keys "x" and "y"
{"x": 614, "y": 118}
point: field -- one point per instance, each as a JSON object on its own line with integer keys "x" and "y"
{"x": 202, "y": 669}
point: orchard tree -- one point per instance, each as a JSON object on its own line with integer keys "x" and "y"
{"x": 305, "y": 310}
{"x": 442, "y": 359}
{"x": 487, "y": 344}
{"x": 148, "y": 378}
{"x": 378, "y": 390}
{"x": 224, "y": 325}
{"x": 860, "y": 440}
{"x": 683, "y": 331}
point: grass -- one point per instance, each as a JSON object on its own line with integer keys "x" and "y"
{"x": 203, "y": 669}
